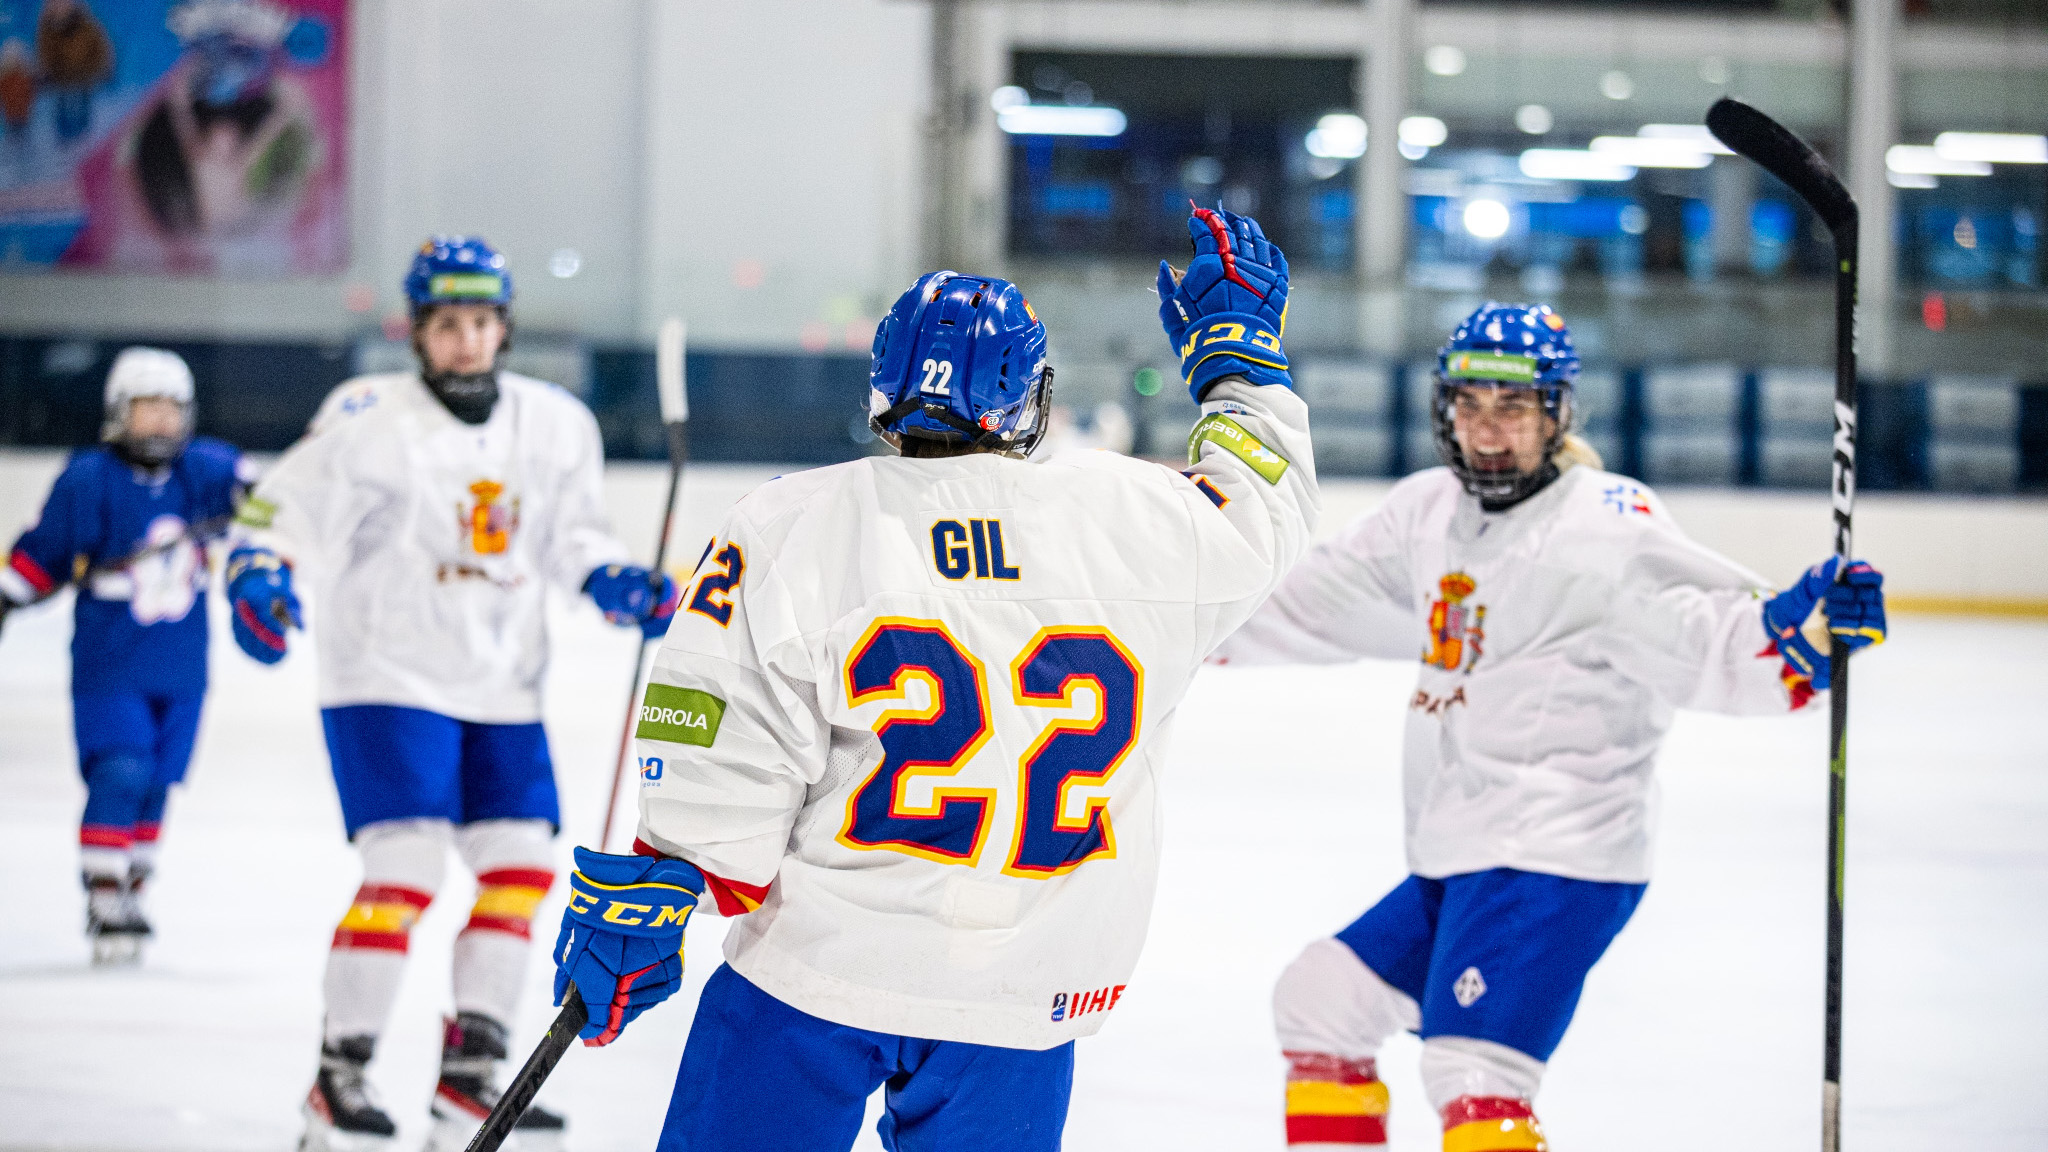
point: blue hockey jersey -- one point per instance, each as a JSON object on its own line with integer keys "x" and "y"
{"x": 136, "y": 543}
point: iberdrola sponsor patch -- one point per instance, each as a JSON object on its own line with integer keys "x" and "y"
{"x": 1216, "y": 428}
{"x": 679, "y": 715}
{"x": 256, "y": 512}
{"x": 1513, "y": 367}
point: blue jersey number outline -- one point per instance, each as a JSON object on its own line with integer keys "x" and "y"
{"x": 941, "y": 735}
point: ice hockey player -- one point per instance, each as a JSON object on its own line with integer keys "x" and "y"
{"x": 430, "y": 512}
{"x": 909, "y": 727}
{"x": 1564, "y": 617}
{"x": 129, "y": 522}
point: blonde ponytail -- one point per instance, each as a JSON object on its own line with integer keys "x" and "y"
{"x": 1575, "y": 450}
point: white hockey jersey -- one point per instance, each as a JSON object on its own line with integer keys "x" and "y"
{"x": 1556, "y": 640}
{"x": 918, "y": 708}
{"x": 427, "y": 544}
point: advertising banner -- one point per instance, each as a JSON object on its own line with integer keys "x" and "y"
{"x": 192, "y": 137}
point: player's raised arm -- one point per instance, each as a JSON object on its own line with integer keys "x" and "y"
{"x": 1249, "y": 455}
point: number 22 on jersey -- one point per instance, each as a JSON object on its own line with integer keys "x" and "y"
{"x": 924, "y": 745}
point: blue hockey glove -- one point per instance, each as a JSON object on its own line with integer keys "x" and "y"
{"x": 1225, "y": 316}
{"x": 630, "y": 595}
{"x": 1855, "y": 607}
{"x": 261, "y": 600}
{"x": 1854, "y": 611}
{"x": 622, "y": 936}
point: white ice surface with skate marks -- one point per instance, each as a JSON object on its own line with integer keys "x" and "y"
{"x": 1701, "y": 1029}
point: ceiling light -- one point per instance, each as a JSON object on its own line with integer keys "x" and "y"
{"x": 1697, "y": 135}
{"x": 1534, "y": 119}
{"x": 1617, "y": 85}
{"x": 1650, "y": 152}
{"x": 1423, "y": 131}
{"x": 1338, "y": 136}
{"x": 1060, "y": 120}
{"x": 1573, "y": 164}
{"x": 1486, "y": 219}
{"x": 1444, "y": 60}
{"x": 1992, "y": 147}
{"x": 1919, "y": 159}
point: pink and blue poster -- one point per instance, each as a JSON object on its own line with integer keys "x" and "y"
{"x": 190, "y": 137}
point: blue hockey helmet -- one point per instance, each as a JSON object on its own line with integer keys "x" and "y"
{"x": 457, "y": 270}
{"x": 1506, "y": 346}
{"x": 962, "y": 359}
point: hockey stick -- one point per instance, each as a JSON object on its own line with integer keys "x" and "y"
{"x": 1755, "y": 135}
{"x": 675, "y": 417}
{"x": 532, "y": 1074}
{"x": 202, "y": 533}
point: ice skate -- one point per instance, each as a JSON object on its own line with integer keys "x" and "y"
{"x": 466, "y": 1093}
{"x": 341, "y": 1115}
{"x": 114, "y": 923}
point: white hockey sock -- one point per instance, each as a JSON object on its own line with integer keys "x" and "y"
{"x": 514, "y": 870}
{"x": 1456, "y": 1066}
{"x": 403, "y": 862}
{"x": 1331, "y": 1014}
{"x": 1329, "y": 1001}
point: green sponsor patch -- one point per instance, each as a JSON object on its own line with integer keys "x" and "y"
{"x": 1510, "y": 366}
{"x": 465, "y": 286}
{"x": 256, "y": 512}
{"x": 679, "y": 715}
{"x": 1216, "y": 428}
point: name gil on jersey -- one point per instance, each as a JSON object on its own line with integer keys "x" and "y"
{"x": 679, "y": 715}
{"x": 975, "y": 547}
{"x": 1082, "y": 1003}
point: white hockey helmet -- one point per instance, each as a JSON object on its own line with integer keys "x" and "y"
{"x": 147, "y": 373}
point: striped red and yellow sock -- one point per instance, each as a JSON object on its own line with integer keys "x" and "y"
{"x": 506, "y": 899}
{"x": 1335, "y": 1100}
{"x": 1491, "y": 1124}
{"x": 381, "y": 917}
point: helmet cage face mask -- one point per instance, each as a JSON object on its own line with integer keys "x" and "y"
{"x": 146, "y": 451}
{"x": 1516, "y": 346}
{"x": 961, "y": 360}
{"x": 1497, "y": 490}
{"x": 147, "y": 374}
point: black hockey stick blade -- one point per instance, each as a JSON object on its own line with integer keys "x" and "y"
{"x": 520, "y": 1093}
{"x": 1774, "y": 148}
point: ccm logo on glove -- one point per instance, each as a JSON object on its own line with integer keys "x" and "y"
{"x": 584, "y": 904}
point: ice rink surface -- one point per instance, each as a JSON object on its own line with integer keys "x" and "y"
{"x": 1700, "y": 1029}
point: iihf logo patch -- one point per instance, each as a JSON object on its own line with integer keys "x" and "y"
{"x": 1059, "y": 1007}
{"x": 1470, "y": 987}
